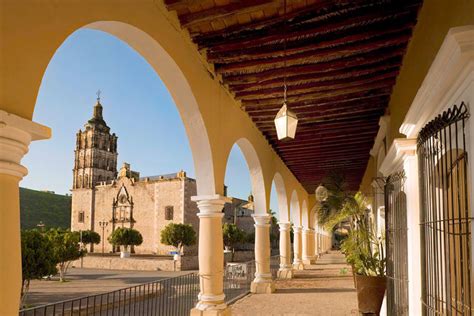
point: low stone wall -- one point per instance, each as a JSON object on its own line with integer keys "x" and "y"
{"x": 152, "y": 263}
{"x": 138, "y": 263}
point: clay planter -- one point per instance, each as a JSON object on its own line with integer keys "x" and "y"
{"x": 370, "y": 293}
{"x": 353, "y": 275}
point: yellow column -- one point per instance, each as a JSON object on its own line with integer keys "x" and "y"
{"x": 316, "y": 247}
{"x": 308, "y": 246}
{"x": 297, "y": 248}
{"x": 286, "y": 268}
{"x": 16, "y": 133}
{"x": 211, "y": 257}
{"x": 263, "y": 277}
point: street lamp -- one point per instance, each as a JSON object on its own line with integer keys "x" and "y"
{"x": 41, "y": 225}
{"x": 102, "y": 225}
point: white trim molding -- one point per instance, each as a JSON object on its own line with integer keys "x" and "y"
{"x": 400, "y": 149}
{"x": 451, "y": 70}
{"x": 16, "y": 134}
{"x": 382, "y": 132}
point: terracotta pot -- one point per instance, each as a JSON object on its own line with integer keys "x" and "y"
{"x": 353, "y": 274}
{"x": 370, "y": 293}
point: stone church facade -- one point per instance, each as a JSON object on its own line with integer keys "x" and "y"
{"x": 104, "y": 199}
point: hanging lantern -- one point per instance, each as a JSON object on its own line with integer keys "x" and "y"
{"x": 286, "y": 123}
{"x": 321, "y": 193}
{"x": 285, "y": 120}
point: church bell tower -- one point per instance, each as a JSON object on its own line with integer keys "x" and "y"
{"x": 96, "y": 152}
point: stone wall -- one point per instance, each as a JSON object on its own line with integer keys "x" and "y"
{"x": 138, "y": 263}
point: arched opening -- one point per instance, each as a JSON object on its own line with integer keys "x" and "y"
{"x": 305, "y": 214}
{"x": 295, "y": 211}
{"x": 180, "y": 90}
{"x": 278, "y": 199}
{"x": 254, "y": 170}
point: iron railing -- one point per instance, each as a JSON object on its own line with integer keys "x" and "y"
{"x": 168, "y": 297}
{"x": 445, "y": 215}
{"x": 396, "y": 245}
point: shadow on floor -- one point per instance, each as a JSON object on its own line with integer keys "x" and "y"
{"x": 314, "y": 290}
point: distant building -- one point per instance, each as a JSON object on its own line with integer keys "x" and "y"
{"x": 124, "y": 199}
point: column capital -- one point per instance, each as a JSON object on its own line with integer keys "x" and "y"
{"x": 210, "y": 205}
{"x": 262, "y": 220}
{"x": 284, "y": 226}
{"x": 297, "y": 229}
{"x": 16, "y": 134}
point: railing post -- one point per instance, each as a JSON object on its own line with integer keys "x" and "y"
{"x": 16, "y": 133}
{"x": 297, "y": 247}
{"x": 263, "y": 277}
{"x": 286, "y": 268}
{"x": 211, "y": 257}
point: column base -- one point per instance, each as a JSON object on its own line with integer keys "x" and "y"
{"x": 309, "y": 260}
{"x": 210, "y": 312}
{"x": 298, "y": 266}
{"x": 285, "y": 273}
{"x": 262, "y": 287}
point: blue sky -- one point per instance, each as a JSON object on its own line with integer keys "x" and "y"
{"x": 137, "y": 107}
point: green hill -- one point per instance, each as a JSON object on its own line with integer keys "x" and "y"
{"x": 53, "y": 210}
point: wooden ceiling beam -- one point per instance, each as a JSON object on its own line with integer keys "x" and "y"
{"x": 310, "y": 104}
{"x": 310, "y": 142}
{"x": 223, "y": 11}
{"x": 339, "y": 40}
{"x": 317, "y": 69}
{"x": 258, "y": 115}
{"x": 335, "y": 126}
{"x": 358, "y": 146}
{"x": 382, "y": 85}
{"x": 348, "y": 113}
{"x": 319, "y": 86}
{"x": 314, "y": 56}
{"x": 310, "y": 30}
{"x": 296, "y": 80}
{"x": 306, "y": 163}
{"x": 321, "y": 10}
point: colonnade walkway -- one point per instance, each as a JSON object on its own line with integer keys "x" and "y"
{"x": 325, "y": 288}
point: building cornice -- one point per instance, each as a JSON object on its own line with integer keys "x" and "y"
{"x": 453, "y": 64}
{"x": 400, "y": 149}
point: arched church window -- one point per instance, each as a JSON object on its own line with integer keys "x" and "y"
{"x": 169, "y": 210}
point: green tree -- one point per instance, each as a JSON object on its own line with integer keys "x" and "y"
{"x": 126, "y": 237}
{"x": 232, "y": 235}
{"x": 90, "y": 237}
{"x": 178, "y": 235}
{"x": 66, "y": 248}
{"x": 37, "y": 259}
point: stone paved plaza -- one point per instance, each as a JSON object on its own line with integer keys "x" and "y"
{"x": 321, "y": 289}
{"x": 84, "y": 282}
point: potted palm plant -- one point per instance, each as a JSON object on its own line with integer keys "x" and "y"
{"x": 362, "y": 248}
{"x": 125, "y": 237}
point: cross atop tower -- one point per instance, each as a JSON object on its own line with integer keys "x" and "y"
{"x": 98, "y": 93}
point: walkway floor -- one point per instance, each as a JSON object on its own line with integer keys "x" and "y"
{"x": 321, "y": 289}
